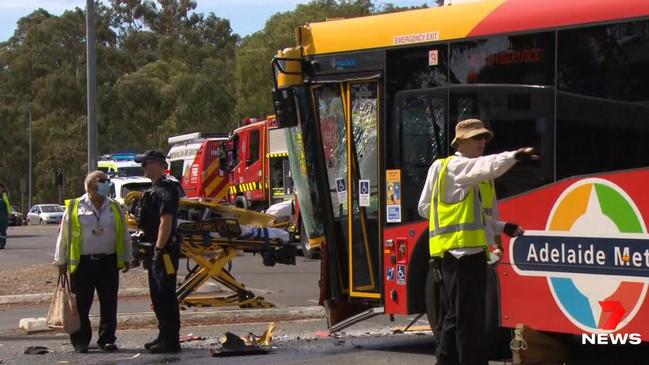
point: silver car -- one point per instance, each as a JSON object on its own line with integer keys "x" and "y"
{"x": 45, "y": 214}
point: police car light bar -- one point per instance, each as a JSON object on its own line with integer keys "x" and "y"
{"x": 184, "y": 138}
{"x": 125, "y": 156}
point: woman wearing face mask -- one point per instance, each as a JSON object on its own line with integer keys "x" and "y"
{"x": 94, "y": 245}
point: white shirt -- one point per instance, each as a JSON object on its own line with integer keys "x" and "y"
{"x": 90, "y": 218}
{"x": 462, "y": 175}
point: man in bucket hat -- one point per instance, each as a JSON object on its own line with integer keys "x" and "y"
{"x": 460, "y": 202}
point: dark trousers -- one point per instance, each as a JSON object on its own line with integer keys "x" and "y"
{"x": 4, "y": 222}
{"x": 100, "y": 273}
{"x": 162, "y": 287}
{"x": 462, "y": 339}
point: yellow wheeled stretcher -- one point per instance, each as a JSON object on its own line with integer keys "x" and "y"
{"x": 212, "y": 236}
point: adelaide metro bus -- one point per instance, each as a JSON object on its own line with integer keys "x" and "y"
{"x": 374, "y": 101}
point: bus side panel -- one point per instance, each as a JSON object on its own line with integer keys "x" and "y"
{"x": 552, "y": 293}
{"x": 405, "y": 267}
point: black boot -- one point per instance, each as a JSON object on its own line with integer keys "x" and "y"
{"x": 148, "y": 345}
{"x": 164, "y": 348}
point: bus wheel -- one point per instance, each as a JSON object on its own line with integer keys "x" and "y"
{"x": 308, "y": 252}
{"x": 434, "y": 308}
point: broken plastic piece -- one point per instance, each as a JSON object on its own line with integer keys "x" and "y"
{"x": 267, "y": 336}
{"x": 36, "y": 350}
{"x": 190, "y": 338}
{"x": 234, "y": 345}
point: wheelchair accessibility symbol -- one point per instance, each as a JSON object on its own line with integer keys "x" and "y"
{"x": 340, "y": 185}
{"x": 401, "y": 274}
{"x": 365, "y": 187}
{"x": 364, "y": 190}
{"x": 341, "y": 188}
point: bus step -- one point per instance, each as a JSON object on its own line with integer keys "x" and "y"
{"x": 372, "y": 312}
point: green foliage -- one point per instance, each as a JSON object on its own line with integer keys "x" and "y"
{"x": 162, "y": 69}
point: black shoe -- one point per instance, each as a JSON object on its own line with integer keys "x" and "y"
{"x": 148, "y": 345}
{"x": 81, "y": 349}
{"x": 161, "y": 348}
{"x": 108, "y": 347}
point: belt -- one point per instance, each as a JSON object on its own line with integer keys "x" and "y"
{"x": 98, "y": 256}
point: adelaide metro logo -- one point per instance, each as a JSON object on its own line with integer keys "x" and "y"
{"x": 594, "y": 253}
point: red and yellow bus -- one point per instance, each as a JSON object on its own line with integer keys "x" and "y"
{"x": 374, "y": 101}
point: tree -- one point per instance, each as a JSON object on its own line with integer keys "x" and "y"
{"x": 253, "y": 71}
{"x": 162, "y": 69}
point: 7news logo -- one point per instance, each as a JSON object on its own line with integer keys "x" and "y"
{"x": 616, "y": 311}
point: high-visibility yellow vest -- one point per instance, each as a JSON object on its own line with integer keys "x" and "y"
{"x": 459, "y": 224}
{"x": 5, "y": 199}
{"x": 75, "y": 234}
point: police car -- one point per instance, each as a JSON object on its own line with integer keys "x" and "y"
{"x": 121, "y": 186}
{"x": 119, "y": 164}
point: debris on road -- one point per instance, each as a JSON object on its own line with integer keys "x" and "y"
{"x": 129, "y": 358}
{"x": 190, "y": 338}
{"x": 422, "y": 328}
{"x": 36, "y": 350}
{"x": 252, "y": 344}
{"x": 322, "y": 334}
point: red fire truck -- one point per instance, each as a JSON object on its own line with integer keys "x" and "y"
{"x": 194, "y": 159}
{"x": 258, "y": 165}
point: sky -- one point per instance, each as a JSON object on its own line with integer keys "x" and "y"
{"x": 246, "y": 16}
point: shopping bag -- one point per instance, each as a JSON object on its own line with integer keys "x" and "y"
{"x": 63, "y": 313}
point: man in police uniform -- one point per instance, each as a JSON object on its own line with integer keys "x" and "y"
{"x": 460, "y": 201}
{"x": 158, "y": 220}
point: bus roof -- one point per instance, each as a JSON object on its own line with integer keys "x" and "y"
{"x": 480, "y": 18}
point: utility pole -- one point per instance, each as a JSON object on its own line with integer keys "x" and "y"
{"x": 22, "y": 197}
{"x": 91, "y": 64}
{"x": 58, "y": 181}
{"x": 29, "y": 180}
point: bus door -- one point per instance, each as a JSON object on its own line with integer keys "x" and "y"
{"x": 348, "y": 118}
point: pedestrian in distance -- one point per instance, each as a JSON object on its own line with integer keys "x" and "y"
{"x": 459, "y": 200}
{"x": 5, "y": 210}
{"x": 158, "y": 220}
{"x": 94, "y": 244}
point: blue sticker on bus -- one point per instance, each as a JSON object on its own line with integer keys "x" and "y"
{"x": 390, "y": 274}
{"x": 394, "y": 213}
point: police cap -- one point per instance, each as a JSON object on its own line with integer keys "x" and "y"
{"x": 151, "y": 155}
